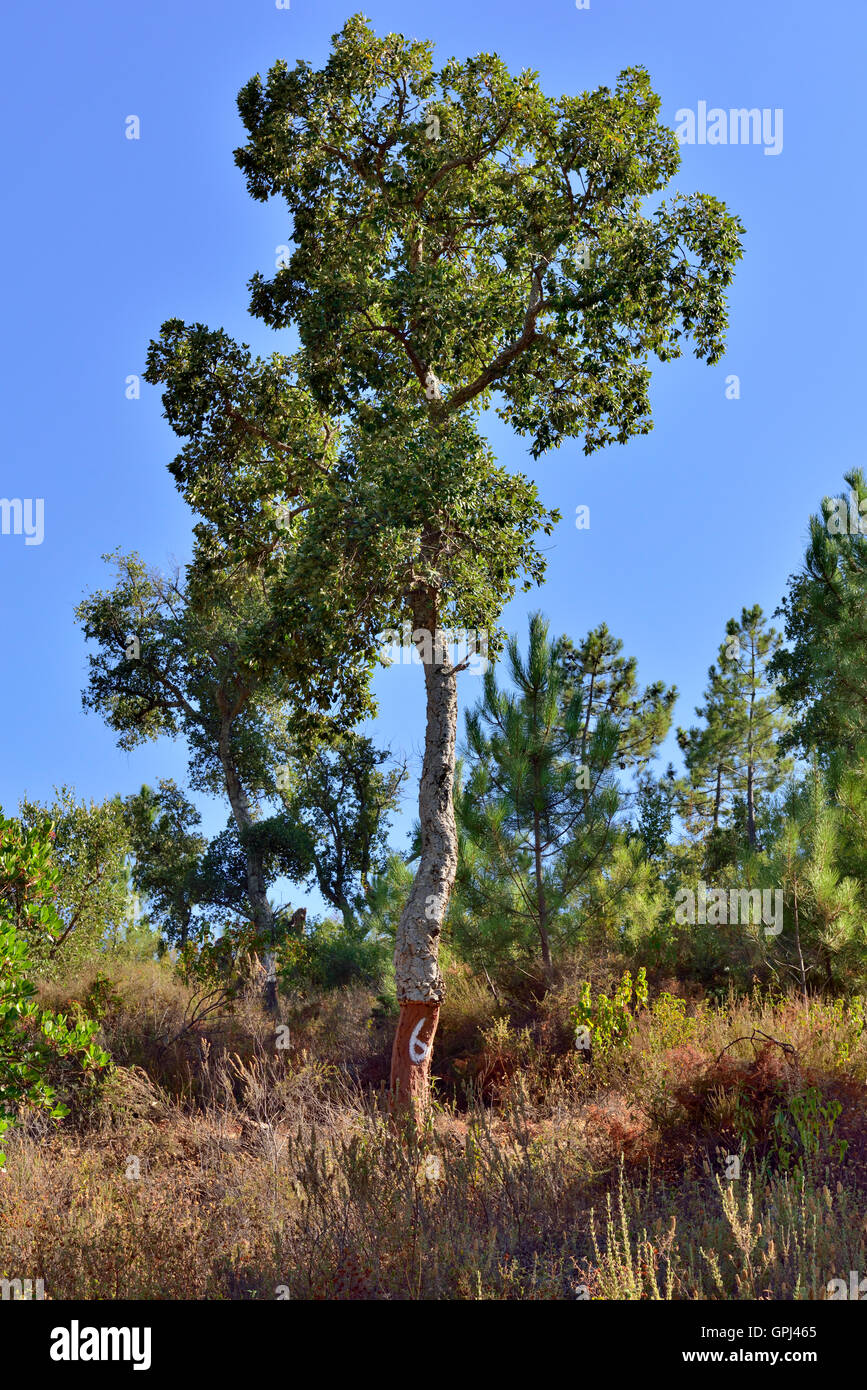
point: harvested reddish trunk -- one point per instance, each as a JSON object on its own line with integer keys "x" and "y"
{"x": 411, "y": 1057}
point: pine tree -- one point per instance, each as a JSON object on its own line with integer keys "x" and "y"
{"x": 822, "y": 673}
{"x": 708, "y": 751}
{"x": 539, "y": 812}
{"x": 608, "y": 686}
{"x": 734, "y": 758}
{"x": 826, "y": 939}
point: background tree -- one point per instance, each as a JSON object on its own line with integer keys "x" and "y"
{"x": 196, "y": 889}
{"x": 736, "y": 755}
{"x": 93, "y": 901}
{"x": 762, "y": 718}
{"x": 822, "y": 672}
{"x": 168, "y": 850}
{"x": 608, "y": 687}
{"x": 178, "y": 657}
{"x": 540, "y": 800}
{"x": 825, "y": 937}
{"x": 845, "y": 779}
{"x": 708, "y": 753}
{"x": 654, "y": 811}
{"x": 339, "y": 795}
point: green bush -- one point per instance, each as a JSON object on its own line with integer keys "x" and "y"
{"x": 329, "y": 956}
{"x": 34, "y": 1042}
{"x": 608, "y": 1023}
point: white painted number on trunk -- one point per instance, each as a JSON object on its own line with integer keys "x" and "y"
{"x": 417, "y": 1049}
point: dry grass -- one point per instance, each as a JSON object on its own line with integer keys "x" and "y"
{"x": 221, "y": 1166}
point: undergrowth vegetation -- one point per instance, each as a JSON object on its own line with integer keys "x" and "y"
{"x": 693, "y": 1150}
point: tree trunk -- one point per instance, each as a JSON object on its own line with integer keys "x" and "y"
{"x": 829, "y": 973}
{"x": 718, "y": 796}
{"x": 751, "y": 815}
{"x": 751, "y": 810}
{"x": 541, "y": 904}
{"x": 800, "y": 953}
{"x": 411, "y": 1058}
{"x": 257, "y": 896}
{"x": 420, "y": 987}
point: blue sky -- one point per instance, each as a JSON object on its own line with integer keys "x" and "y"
{"x": 104, "y": 238}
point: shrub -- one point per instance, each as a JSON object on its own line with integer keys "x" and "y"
{"x": 34, "y": 1042}
{"x": 608, "y": 1023}
{"x": 331, "y": 956}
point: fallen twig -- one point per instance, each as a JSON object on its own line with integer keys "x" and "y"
{"x": 757, "y": 1033}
